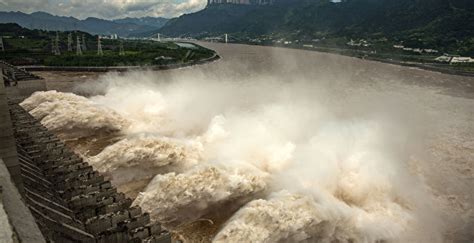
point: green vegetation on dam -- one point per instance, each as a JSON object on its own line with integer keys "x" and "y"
{"x": 49, "y": 48}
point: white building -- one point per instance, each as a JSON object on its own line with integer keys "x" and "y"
{"x": 462, "y": 60}
{"x": 454, "y": 59}
{"x": 443, "y": 58}
{"x": 430, "y": 51}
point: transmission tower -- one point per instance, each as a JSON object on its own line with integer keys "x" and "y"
{"x": 56, "y": 50}
{"x": 78, "y": 47}
{"x": 69, "y": 42}
{"x": 84, "y": 46}
{"x": 2, "y": 47}
{"x": 99, "y": 47}
{"x": 122, "y": 51}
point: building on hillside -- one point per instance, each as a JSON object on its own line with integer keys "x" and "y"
{"x": 462, "y": 60}
{"x": 359, "y": 43}
{"x": 447, "y": 58}
{"x": 443, "y": 58}
{"x": 430, "y": 50}
{"x": 415, "y": 49}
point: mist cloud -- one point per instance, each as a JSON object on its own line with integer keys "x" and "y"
{"x": 345, "y": 160}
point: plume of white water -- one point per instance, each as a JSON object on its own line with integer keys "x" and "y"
{"x": 72, "y": 115}
{"x": 283, "y": 216}
{"x": 40, "y": 97}
{"x": 146, "y": 152}
{"x": 188, "y": 196}
{"x": 287, "y": 217}
{"x": 346, "y": 186}
{"x": 342, "y": 157}
{"x": 143, "y": 156}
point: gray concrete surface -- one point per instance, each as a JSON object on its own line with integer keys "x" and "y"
{"x": 18, "y": 214}
{"x": 6, "y": 231}
{"x": 8, "y": 145}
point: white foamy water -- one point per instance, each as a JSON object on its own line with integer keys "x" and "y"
{"x": 72, "y": 115}
{"x": 343, "y": 155}
{"x": 146, "y": 152}
{"x": 286, "y": 217}
{"x": 186, "y": 197}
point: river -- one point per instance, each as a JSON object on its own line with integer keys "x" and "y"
{"x": 376, "y": 148}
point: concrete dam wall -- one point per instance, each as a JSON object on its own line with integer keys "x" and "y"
{"x": 68, "y": 199}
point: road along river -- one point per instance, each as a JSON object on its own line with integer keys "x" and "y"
{"x": 275, "y": 145}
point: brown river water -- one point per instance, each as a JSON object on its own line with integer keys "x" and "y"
{"x": 279, "y": 145}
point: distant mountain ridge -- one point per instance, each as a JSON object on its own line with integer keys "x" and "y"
{"x": 428, "y": 23}
{"x": 122, "y": 27}
{"x": 156, "y": 22}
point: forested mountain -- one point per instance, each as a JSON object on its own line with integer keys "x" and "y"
{"x": 156, "y": 22}
{"x": 430, "y": 23}
{"x": 46, "y": 21}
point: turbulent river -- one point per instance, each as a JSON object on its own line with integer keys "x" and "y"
{"x": 280, "y": 145}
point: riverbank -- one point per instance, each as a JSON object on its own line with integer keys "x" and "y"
{"x": 35, "y": 53}
{"x": 119, "y": 68}
{"x": 436, "y": 67}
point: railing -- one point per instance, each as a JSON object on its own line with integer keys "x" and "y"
{"x": 12, "y": 72}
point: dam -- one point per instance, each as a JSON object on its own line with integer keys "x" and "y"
{"x": 49, "y": 193}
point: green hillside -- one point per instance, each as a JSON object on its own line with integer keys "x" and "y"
{"x": 446, "y": 25}
{"x": 34, "y": 47}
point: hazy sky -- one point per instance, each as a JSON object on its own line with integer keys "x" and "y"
{"x": 108, "y": 9}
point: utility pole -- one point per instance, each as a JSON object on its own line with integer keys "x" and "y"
{"x": 2, "y": 47}
{"x": 122, "y": 51}
{"x": 84, "y": 45}
{"x": 69, "y": 42}
{"x": 99, "y": 47}
{"x": 78, "y": 46}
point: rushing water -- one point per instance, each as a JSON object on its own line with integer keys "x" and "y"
{"x": 269, "y": 145}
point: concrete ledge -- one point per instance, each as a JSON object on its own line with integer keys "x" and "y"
{"x": 118, "y": 68}
{"x": 19, "y": 215}
{"x": 6, "y": 231}
{"x": 8, "y": 152}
